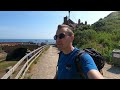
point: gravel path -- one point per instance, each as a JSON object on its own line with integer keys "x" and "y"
{"x": 111, "y": 72}
{"x": 46, "y": 67}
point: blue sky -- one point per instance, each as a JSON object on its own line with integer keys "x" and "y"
{"x": 40, "y": 24}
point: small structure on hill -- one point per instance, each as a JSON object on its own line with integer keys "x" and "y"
{"x": 116, "y": 57}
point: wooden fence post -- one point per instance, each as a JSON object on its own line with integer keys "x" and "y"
{"x": 7, "y": 69}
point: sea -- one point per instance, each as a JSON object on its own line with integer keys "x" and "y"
{"x": 48, "y": 41}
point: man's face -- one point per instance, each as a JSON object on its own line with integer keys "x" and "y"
{"x": 62, "y": 39}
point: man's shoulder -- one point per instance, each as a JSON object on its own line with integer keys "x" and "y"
{"x": 88, "y": 61}
{"x": 76, "y": 49}
{"x": 83, "y": 56}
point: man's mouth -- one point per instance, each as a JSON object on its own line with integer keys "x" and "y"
{"x": 59, "y": 44}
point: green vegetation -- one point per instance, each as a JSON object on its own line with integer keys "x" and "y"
{"x": 17, "y": 54}
{"x": 1, "y": 49}
{"x": 5, "y": 64}
{"x": 103, "y": 35}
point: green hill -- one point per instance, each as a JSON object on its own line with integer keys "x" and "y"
{"x": 113, "y": 15}
{"x": 109, "y": 23}
{"x": 103, "y": 35}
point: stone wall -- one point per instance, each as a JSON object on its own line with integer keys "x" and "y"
{"x": 116, "y": 57}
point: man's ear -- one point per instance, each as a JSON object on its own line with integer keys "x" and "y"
{"x": 72, "y": 37}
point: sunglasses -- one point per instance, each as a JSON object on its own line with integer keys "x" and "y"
{"x": 60, "y": 36}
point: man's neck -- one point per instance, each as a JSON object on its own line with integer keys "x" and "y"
{"x": 68, "y": 50}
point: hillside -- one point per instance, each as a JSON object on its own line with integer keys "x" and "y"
{"x": 103, "y": 35}
{"x": 113, "y": 15}
{"x": 108, "y": 23}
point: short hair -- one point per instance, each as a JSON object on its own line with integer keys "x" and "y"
{"x": 69, "y": 29}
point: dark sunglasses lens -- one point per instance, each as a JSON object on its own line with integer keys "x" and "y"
{"x": 55, "y": 37}
{"x": 61, "y": 36}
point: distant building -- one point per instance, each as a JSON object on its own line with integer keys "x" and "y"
{"x": 72, "y": 24}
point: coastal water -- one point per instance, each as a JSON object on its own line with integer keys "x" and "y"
{"x": 49, "y": 41}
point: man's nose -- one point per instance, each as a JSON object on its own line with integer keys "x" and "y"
{"x": 57, "y": 40}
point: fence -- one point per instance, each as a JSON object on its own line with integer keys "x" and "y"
{"x": 29, "y": 59}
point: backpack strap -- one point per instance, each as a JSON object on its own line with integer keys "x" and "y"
{"x": 79, "y": 63}
{"x": 59, "y": 57}
{"x": 59, "y": 54}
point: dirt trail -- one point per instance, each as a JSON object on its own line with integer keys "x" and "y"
{"x": 111, "y": 72}
{"x": 46, "y": 67}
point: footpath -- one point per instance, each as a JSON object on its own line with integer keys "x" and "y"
{"x": 45, "y": 68}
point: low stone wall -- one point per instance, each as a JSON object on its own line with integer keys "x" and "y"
{"x": 116, "y": 57}
{"x": 116, "y": 62}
